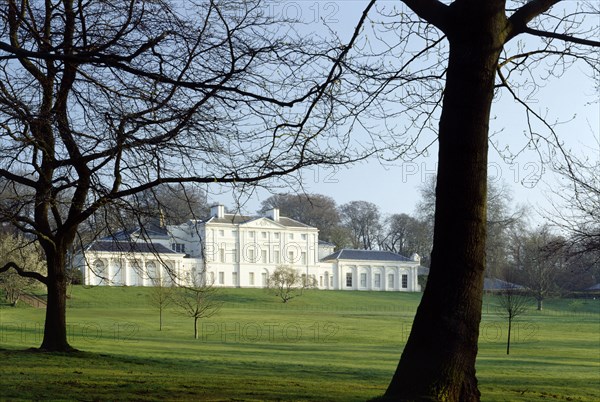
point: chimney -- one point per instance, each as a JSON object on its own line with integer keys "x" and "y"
{"x": 217, "y": 211}
{"x": 274, "y": 214}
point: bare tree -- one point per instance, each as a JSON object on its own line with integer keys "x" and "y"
{"x": 540, "y": 257}
{"x": 161, "y": 296}
{"x": 439, "y": 66}
{"x": 197, "y": 299}
{"x": 513, "y": 301}
{"x": 100, "y": 101}
{"x": 362, "y": 219}
{"x": 406, "y": 235}
{"x": 501, "y": 218}
{"x": 577, "y": 211}
{"x": 172, "y": 203}
{"x": 287, "y": 283}
{"x": 316, "y": 210}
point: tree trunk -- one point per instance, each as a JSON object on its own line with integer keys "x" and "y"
{"x": 540, "y": 304}
{"x": 438, "y": 362}
{"x": 195, "y": 328}
{"x": 160, "y": 318}
{"x": 508, "y": 339}
{"x": 55, "y": 327}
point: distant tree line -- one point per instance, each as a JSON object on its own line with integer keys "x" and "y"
{"x": 539, "y": 257}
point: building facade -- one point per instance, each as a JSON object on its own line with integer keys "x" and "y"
{"x": 231, "y": 250}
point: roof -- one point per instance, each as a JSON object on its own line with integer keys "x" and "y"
{"x": 366, "y": 255}
{"x": 595, "y": 287}
{"x": 149, "y": 230}
{"x": 239, "y": 219}
{"x": 326, "y": 243}
{"x": 129, "y": 247}
{"x": 499, "y": 284}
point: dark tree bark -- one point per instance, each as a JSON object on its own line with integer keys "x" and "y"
{"x": 439, "y": 357}
{"x": 55, "y": 324}
{"x": 100, "y": 101}
{"x": 438, "y": 362}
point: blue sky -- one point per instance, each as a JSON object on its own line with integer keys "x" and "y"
{"x": 394, "y": 187}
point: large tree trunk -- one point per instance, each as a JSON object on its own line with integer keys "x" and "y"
{"x": 55, "y": 327}
{"x": 438, "y": 362}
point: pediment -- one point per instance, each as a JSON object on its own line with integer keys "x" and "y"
{"x": 262, "y": 223}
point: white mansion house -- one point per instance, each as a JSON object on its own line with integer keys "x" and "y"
{"x": 232, "y": 250}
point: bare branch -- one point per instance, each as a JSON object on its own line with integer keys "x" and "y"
{"x": 432, "y": 11}
{"x": 563, "y": 37}
{"x": 532, "y": 9}
{"x": 24, "y": 273}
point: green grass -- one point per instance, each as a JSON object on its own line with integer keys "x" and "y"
{"x": 324, "y": 346}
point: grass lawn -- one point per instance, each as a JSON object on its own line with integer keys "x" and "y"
{"x": 324, "y": 346}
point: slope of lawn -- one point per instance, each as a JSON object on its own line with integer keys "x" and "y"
{"x": 323, "y": 346}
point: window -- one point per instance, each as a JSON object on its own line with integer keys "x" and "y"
{"x": 99, "y": 267}
{"x": 251, "y": 235}
{"x": 349, "y": 279}
{"x": 303, "y": 236}
{"x": 390, "y": 280}
{"x": 377, "y": 280}
{"x": 303, "y": 258}
{"x": 221, "y": 278}
{"x": 221, "y": 233}
{"x": 363, "y": 280}
{"x": 222, "y": 255}
{"x": 251, "y": 257}
{"x": 251, "y": 278}
{"x": 291, "y": 257}
{"x": 276, "y": 256}
{"x": 234, "y": 278}
{"x": 277, "y": 235}
{"x": 291, "y": 236}
{"x": 263, "y": 235}
{"x": 264, "y": 256}
{"x": 320, "y": 281}
{"x": 178, "y": 247}
{"x": 151, "y": 271}
{"x": 211, "y": 278}
{"x": 331, "y": 281}
{"x": 404, "y": 281}
{"x": 264, "y": 278}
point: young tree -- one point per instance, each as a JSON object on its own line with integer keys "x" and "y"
{"x": 513, "y": 301}
{"x": 160, "y": 297}
{"x": 197, "y": 299}
{"x": 287, "y": 283}
{"x": 100, "y": 101}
